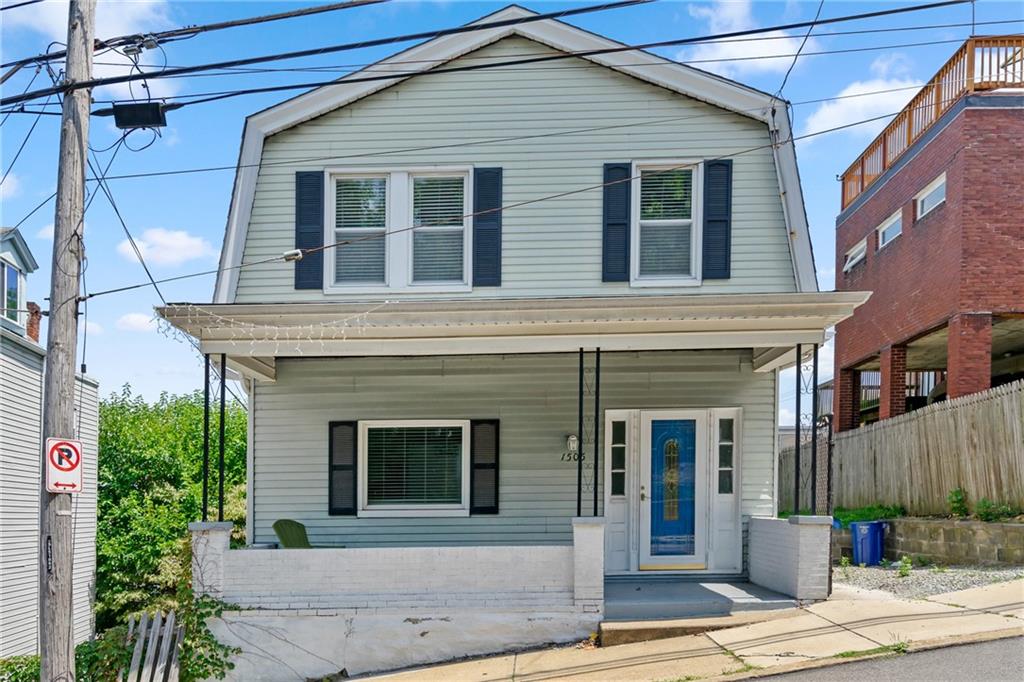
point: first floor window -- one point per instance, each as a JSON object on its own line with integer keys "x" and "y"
{"x": 726, "y": 455}
{"x": 665, "y": 222}
{"x": 9, "y": 285}
{"x": 360, "y": 221}
{"x": 415, "y": 465}
{"x": 618, "y": 463}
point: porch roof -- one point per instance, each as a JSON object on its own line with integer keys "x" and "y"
{"x": 252, "y": 335}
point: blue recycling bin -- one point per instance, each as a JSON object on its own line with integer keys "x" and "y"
{"x": 867, "y": 538}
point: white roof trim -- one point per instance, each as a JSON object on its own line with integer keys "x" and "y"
{"x": 685, "y": 80}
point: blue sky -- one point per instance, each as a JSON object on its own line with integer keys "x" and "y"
{"x": 179, "y": 220}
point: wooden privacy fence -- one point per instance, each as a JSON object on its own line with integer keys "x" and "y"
{"x": 975, "y": 442}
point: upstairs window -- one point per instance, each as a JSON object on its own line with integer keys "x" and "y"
{"x": 856, "y": 255}
{"x": 665, "y": 214}
{"x": 890, "y": 229}
{"x": 931, "y": 197}
{"x": 10, "y": 287}
{"x": 399, "y": 230}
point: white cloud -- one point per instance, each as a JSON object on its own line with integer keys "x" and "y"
{"x": 45, "y": 233}
{"x": 786, "y": 417}
{"x": 756, "y": 55}
{"x": 11, "y": 187}
{"x": 113, "y": 18}
{"x": 167, "y": 247}
{"x": 94, "y": 328}
{"x": 888, "y": 91}
{"x": 136, "y": 322}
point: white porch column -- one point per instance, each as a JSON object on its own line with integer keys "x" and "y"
{"x": 210, "y": 542}
{"x": 791, "y": 556}
{"x": 588, "y": 563}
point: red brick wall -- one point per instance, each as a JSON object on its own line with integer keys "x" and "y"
{"x": 967, "y": 255}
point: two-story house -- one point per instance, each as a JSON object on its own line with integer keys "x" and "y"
{"x": 532, "y": 340}
{"x": 22, "y": 365}
{"x": 932, "y": 223}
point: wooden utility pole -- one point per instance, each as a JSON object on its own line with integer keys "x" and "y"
{"x": 56, "y": 637}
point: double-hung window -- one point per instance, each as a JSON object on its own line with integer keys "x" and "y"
{"x": 930, "y": 197}
{"x": 666, "y": 234}
{"x": 399, "y": 230}
{"x": 10, "y": 288}
{"x": 890, "y": 229}
{"x": 414, "y": 467}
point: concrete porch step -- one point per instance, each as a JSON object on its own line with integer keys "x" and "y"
{"x": 613, "y": 633}
{"x": 645, "y": 599}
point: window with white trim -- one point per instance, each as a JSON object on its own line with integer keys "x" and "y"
{"x": 726, "y": 456}
{"x": 10, "y": 288}
{"x": 665, "y": 224}
{"x": 856, "y": 255}
{"x": 931, "y": 197}
{"x": 410, "y": 468}
{"x": 399, "y": 230}
{"x": 618, "y": 458}
{"x": 890, "y": 229}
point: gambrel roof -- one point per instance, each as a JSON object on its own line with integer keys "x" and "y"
{"x": 685, "y": 80}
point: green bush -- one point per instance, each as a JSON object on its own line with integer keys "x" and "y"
{"x": 957, "y": 499}
{"x": 990, "y": 511}
{"x": 98, "y": 660}
{"x": 875, "y": 512}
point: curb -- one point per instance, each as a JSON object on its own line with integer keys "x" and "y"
{"x": 923, "y": 645}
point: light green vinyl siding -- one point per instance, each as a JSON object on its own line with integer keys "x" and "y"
{"x": 534, "y": 396}
{"x": 551, "y": 247}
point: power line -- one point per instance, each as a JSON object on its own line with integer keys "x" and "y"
{"x": 519, "y": 204}
{"x": 19, "y": 4}
{"x": 192, "y": 31}
{"x": 796, "y": 57}
{"x": 476, "y": 27}
{"x": 112, "y": 80}
{"x": 21, "y": 148}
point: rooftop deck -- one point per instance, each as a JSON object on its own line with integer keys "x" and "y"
{"x": 981, "y": 63}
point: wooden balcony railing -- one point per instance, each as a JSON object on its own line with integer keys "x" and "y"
{"x": 982, "y": 63}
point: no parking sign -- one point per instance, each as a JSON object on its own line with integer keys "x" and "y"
{"x": 63, "y": 465}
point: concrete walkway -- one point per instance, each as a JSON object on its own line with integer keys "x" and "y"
{"x": 829, "y": 632}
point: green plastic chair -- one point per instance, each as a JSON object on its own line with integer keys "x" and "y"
{"x": 291, "y": 534}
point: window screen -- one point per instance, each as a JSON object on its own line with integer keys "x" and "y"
{"x": 360, "y": 219}
{"x": 438, "y": 206}
{"x": 414, "y": 465}
{"x": 666, "y": 223}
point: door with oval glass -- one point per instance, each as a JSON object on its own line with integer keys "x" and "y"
{"x": 673, "y": 489}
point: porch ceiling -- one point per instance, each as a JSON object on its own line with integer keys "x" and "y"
{"x": 460, "y": 327}
{"x": 929, "y": 352}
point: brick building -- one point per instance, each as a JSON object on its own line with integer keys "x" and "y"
{"x": 933, "y": 224}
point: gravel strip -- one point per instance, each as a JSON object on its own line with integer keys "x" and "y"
{"x": 923, "y": 581}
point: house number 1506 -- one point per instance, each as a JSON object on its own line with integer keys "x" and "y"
{"x": 573, "y": 457}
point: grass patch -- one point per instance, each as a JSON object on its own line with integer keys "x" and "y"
{"x": 897, "y": 648}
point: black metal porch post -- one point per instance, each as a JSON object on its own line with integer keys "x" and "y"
{"x": 220, "y": 460}
{"x": 579, "y": 447}
{"x": 206, "y": 435}
{"x": 814, "y": 432}
{"x": 796, "y": 444}
{"x": 597, "y": 421}
{"x": 828, "y": 474}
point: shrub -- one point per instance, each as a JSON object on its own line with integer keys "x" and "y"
{"x": 957, "y": 499}
{"x": 990, "y": 511}
{"x": 97, "y": 660}
{"x": 903, "y": 570}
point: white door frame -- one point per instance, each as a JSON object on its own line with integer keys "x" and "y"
{"x": 697, "y": 560}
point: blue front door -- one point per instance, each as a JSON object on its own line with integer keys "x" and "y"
{"x": 673, "y": 487}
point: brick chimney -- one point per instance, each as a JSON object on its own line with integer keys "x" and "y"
{"x": 34, "y": 317}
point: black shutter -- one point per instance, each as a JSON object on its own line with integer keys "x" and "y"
{"x": 483, "y": 465}
{"x": 309, "y": 228}
{"x": 717, "y": 235}
{"x": 341, "y": 469}
{"x": 487, "y": 227}
{"x": 616, "y": 218}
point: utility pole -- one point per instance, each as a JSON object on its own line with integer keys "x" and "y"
{"x": 56, "y": 640}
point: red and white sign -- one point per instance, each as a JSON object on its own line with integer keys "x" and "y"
{"x": 63, "y": 465}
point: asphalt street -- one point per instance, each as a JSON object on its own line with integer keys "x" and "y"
{"x": 994, "y": 661}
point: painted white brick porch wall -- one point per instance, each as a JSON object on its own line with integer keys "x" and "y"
{"x": 478, "y": 599}
{"x": 791, "y": 555}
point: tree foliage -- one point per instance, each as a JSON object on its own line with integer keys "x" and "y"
{"x": 150, "y": 489}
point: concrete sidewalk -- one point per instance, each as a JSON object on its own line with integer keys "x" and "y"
{"x": 829, "y": 632}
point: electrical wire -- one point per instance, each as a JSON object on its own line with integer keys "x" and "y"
{"x": 796, "y": 57}
{"x": 476, "y": 27}
{"x": 16, "y": 5}
{"x": 21, "y": 148}
{"x": 519, "y": 204}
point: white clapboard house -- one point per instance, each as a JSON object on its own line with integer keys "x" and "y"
{"x": 532, "y": 343}
{"x": 22, "y": 363}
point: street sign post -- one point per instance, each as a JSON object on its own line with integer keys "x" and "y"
{"x": 63, "y": 465}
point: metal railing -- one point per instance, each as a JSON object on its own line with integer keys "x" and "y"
{"x": 981, "y": 63}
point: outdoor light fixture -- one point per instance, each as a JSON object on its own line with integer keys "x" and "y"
{"x": 572, "y": 443}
